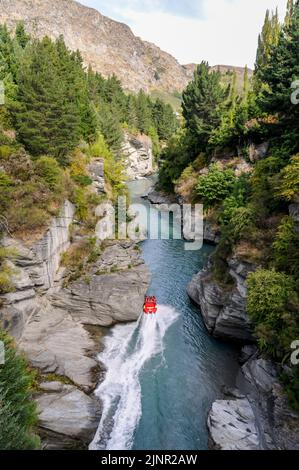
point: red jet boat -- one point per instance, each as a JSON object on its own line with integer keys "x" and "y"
{"x": 150, "y": 305}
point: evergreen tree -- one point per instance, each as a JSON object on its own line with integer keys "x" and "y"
{"x": 282, "y": 69}
{"x": 201, "y": 105}
{"x": 48, "y": 121}
{"x": 144, "y": 112}
{"x": 21, "y": 36}
{"x": 289, "y": 13}
{"x": 268, "y": 38}
{"x": 164, "y": 119}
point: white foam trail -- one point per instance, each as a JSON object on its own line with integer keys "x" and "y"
{"x": 126, "y": 352}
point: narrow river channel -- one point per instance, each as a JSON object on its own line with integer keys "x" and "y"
{"x": 163, "y": 372}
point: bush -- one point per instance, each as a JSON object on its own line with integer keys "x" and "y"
{"x": 288, "y": 186}
{"x": 272, "y": 305}
{"x": 215, "y": 186}
{"x": 49, "y": 170}
{"x": 5, "y": 152}
{"x": 5, "y": 180}
{"x": 286, "y": 247}
{"x": 18, "y": 414}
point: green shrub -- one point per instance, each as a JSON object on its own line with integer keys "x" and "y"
{"x": 5, "y": 152}
{"x": 272, "y": 305}
{"x": 6, "y": 273}
{"x": 82, "y": 180}
{"x": 288, "y": 185}
{"x": 49, "y": 170}
{"x": 18, "y": 414}
{"x": 5, "y": 180}
{"x": 215, "y": 186}
{"x": 286, "y": 247}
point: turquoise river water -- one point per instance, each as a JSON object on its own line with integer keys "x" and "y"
{"x": 163, "y": 372}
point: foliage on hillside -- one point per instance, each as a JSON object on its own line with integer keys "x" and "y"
{"x": 252, "y": 209}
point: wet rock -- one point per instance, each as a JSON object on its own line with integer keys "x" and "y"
{"x": 160, "y": 198}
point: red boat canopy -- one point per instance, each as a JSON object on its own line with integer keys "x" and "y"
{"x": 150, "y": 305}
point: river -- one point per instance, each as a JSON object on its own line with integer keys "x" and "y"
{"x": 163, "y": 372}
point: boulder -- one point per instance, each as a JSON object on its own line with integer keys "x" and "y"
{"x": 68, "y": 418}
{"x": 57, "y": 343}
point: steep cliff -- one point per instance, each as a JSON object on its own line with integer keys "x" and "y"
{"x": 139, "y": 159}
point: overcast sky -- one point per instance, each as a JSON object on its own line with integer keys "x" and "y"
{"x": 219, "y": 31}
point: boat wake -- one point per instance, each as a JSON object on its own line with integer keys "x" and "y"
{"x": 126, "y": 352}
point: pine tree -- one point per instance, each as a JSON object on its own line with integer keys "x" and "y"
{"x": 268, "y": 38}
{"x": 289, "y": 13}
{"x": 48, "y": 121}
{"x": 144, "y": 112}
{"x": 201, "y": 105}
{"x": 21, "y": 36}
{"x": 282, "y": 69}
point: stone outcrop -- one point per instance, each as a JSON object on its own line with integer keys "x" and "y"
{"x": 224, "y": 310}
{"x": 108, "y": 46}
{"x": 138, "y": 154}
{"x": 36, "y": 269}
{"x": 232, "y": 426}
{"x": 258, "y": 151}
{"x": 96, "y": 171}
{"x": 68, "y": 417}
{"x": 259, "y": 417}
{"x": 114, "y": 291}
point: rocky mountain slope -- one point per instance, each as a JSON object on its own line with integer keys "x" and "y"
{"x": 108, "y": 46}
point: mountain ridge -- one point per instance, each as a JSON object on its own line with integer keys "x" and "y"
{"x": 108, "y": 46}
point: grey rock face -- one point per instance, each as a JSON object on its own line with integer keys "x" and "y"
{"x": 70, "y": 413}
{"x": 96, "y": 170}
{"x": 211, "y": 234}
{"x": 258, "y": 152}
{"x": 224, "y": 313}
{"x": 36, "y": 269}
{"x": 108, "y": 297}
{"x": 231, "y": 425}
{"x": 262, "y": 419}
{"x": 139, "y": 156}
{"x": 160, "y": 198}
{"x": 55, "y": 342}
{"x": 278, "y": 424}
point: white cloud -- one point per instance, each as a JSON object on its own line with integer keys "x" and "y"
{"x": 226, "y": 33}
